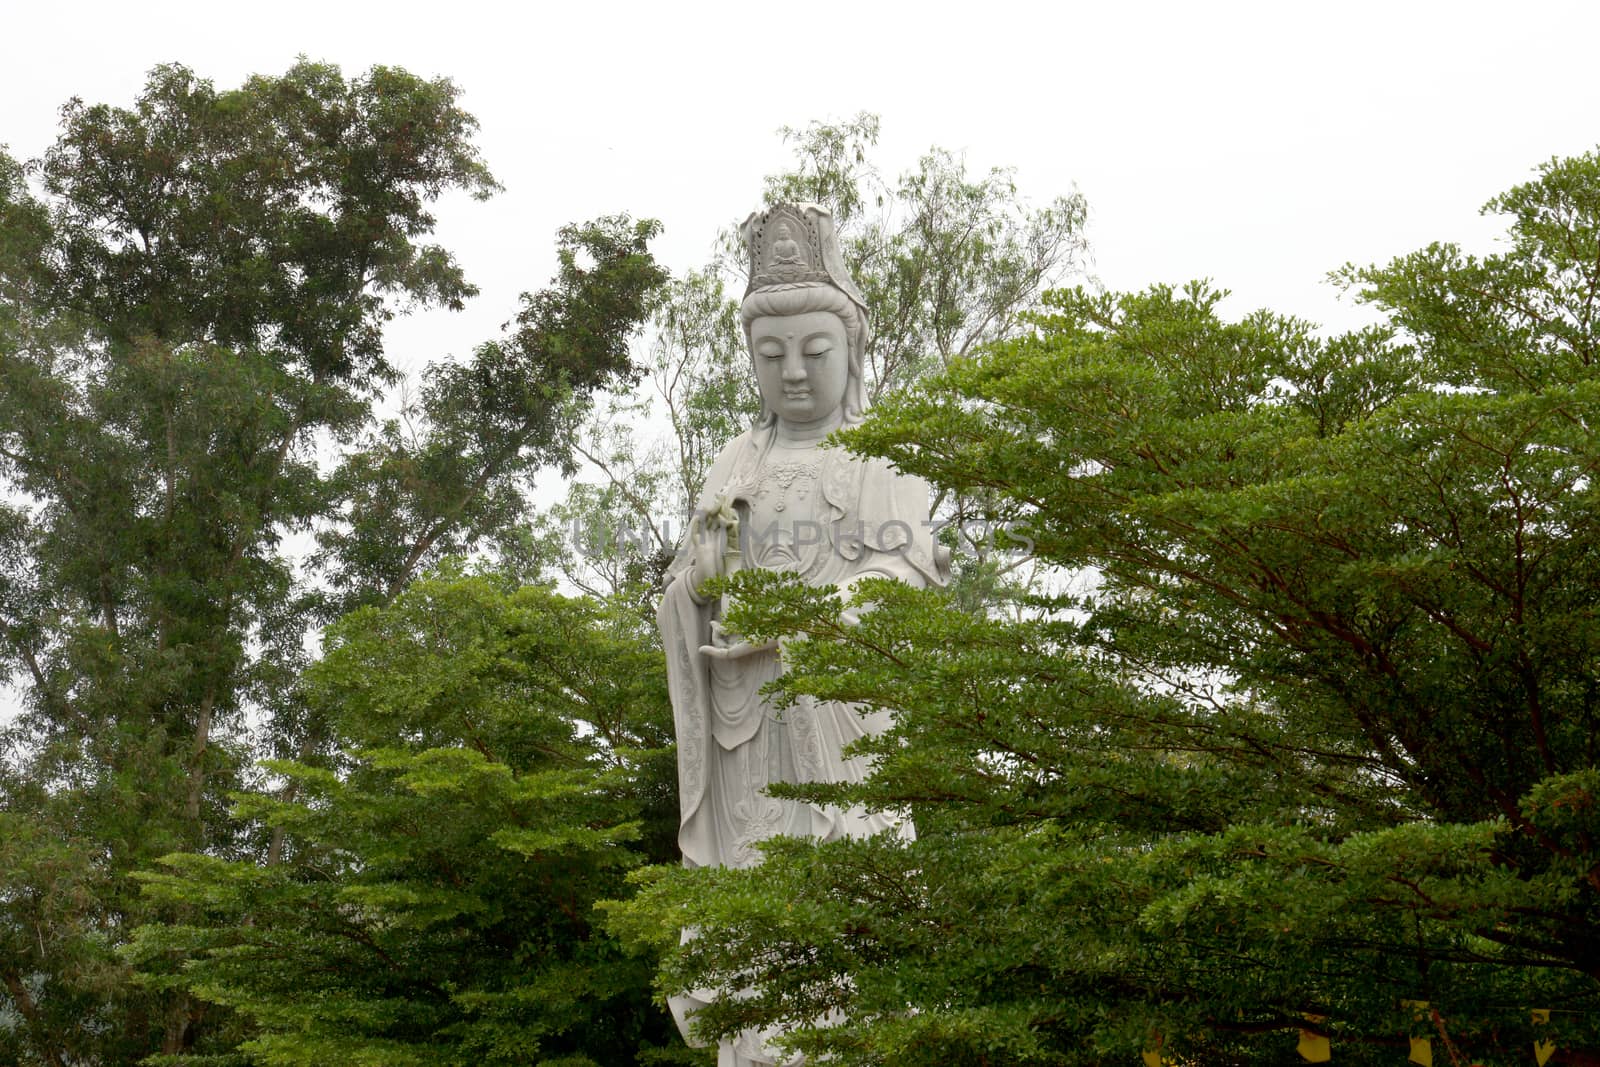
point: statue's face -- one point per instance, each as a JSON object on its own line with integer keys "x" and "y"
{"x": 802, "y": 365}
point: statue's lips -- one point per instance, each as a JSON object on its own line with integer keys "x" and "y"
{"x": 802, "y": 394}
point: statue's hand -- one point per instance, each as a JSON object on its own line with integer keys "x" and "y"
{"x": 725, "y": 513}
{"x": 705, "y": 550}
{"x": 727, "y": 646}
{"x": 737, "y": 650}
{"x": 851, "y": 615}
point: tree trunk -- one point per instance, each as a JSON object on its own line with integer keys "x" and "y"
{"x": 30, "y": 1014}
{"x": 197, "y": 774}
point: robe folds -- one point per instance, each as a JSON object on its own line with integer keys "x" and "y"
{"x": 863, "y": 519}
{"x": 833, "y": 519}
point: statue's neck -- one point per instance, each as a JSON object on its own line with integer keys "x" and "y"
{"x": 804, "y": 435}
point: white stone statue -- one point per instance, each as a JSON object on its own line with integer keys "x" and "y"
{"x": 776, "y": 498}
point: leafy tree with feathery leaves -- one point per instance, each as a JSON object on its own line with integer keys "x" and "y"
{"x": 192, "y": 296}
{"x": 1316, "y": 755}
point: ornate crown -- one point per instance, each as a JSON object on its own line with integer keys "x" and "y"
{"x": 795, "y": 243}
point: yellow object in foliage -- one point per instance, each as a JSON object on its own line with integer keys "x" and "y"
{"x": 1314, "y": 1048}
{"x": 1542, "y": 1050}
{"x": 1152, "y": 1056}
{"x": 1421, "y": 1047}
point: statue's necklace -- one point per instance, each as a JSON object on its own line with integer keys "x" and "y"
{"x": 779, "y": 475}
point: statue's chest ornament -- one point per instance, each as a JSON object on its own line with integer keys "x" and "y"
{"x": 778, "y": 480}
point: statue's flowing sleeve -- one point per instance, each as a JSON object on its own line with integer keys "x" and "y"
{"x": 686, "y": 625}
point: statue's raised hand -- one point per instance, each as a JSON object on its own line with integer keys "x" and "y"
{"x": 706, "y": 540}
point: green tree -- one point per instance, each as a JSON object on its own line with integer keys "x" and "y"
{"x": 946, "y": 261}
{"x": 1317, "y": 752}
{"x": 616, "y": 536}
{"x": 508, "y": 760}
{"x": 191, "y": 312}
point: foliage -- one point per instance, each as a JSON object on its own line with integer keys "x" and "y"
{"x": 611, "y": 537}
{"x": 1315, "y": 747}
{"x": 454, "y": 471}
{"x": 1318, "y": 747}
{"x": 509, "y": 759}
{"x": 191, "y": 309}
{"x": 946, "y": 261}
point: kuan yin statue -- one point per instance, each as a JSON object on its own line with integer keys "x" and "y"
{"x": 778, "y": 499}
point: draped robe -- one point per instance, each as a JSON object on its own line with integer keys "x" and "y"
{"x": 833, "y": 519}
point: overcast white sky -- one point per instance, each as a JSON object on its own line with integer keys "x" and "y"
{"x": 1260, "y": 145}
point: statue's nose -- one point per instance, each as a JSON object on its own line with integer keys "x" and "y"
{"x": 794, "y": 368}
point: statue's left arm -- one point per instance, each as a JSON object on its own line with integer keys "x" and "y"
{"x": 899, "y": 535}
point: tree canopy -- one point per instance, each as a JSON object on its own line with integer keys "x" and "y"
{"x": 316, "y": 765}
{"x": 192, "y": 295}
{"x": 1314, "y": 757}
{"x": 506, "y": 758}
